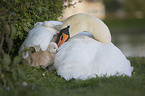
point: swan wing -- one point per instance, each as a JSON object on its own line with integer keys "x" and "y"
{"x": 109, "y": 61}
{"x": 38, "y": 38}
{"x": 84, "y": 58}
{"x": 74, "y": 57}
{"x": 41, "y": 35}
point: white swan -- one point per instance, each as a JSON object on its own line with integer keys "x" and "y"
{"x": 84, "y": 57}
{"x": 42, "y": 38}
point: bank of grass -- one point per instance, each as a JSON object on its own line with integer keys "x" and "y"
{"x": 42, "y": 83}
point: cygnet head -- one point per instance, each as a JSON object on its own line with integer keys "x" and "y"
{"x": 83, "y": 22}
{"x": 52, "y": 48}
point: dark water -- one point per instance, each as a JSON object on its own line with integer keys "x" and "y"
{"x": 131, "y": 41}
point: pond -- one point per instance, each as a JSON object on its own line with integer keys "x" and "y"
{"x": 130, "y": 40}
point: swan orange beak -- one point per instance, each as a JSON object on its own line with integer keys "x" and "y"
{"x": 63, "y": 36}
{"x": 62, "y": 39}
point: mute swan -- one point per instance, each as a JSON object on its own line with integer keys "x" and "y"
{"x": 85, "y": 55}
{"x": 42, "y": 38}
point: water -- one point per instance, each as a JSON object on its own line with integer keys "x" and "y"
{"x": 131, "y": 41}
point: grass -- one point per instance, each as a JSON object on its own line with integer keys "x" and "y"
{"x": 39, "y": 82}
{"x": 42, "y": 83}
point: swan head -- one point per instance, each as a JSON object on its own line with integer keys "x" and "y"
{"x": 83, "y": 22}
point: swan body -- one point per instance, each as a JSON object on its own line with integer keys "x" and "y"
{"x": 40, "y": 36}
{"x": 88, "y": 54}
{"x": 82, "y": 57}
{"x": 84, "y": 22}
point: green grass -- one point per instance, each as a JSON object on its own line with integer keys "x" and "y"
{"x": 52, "y": 85}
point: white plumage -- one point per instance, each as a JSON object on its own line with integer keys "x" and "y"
{"x": 42, "y": 38}
{"x": 41, "y": 35}
{"x": 84, "y": 22}
{"x": 83, "y": 57}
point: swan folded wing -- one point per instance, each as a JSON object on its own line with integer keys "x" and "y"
{"x": 74, "y": 59}
{"x": 39, "y": 38}
{"x": 84, "y": 58}
{"x": 70, "y": 66}
{"x": 41, "y": 35}
{"x": 109, "y": 61}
